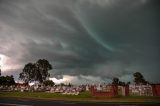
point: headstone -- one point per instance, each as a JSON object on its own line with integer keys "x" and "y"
{"x": 87, "y": 88}
{"x": 99, "y": 87}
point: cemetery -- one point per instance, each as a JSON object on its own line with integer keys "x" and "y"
{"x": 89, "y": 93}
{"x": 48, "y": 87}
{"x": 128, "y": 90}
{"x": 61, "y": 89}
{"x": 141, "y": 90}
{"x": 95, "y": 90}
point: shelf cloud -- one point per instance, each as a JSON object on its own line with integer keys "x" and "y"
{"x": 101, "y": 39}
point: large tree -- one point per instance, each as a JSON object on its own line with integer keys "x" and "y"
{"x": 43, "y": 67}
{"x": 29, "y": 72}
{"x": 139, "y": 79}
{"x": 36, "y": 71}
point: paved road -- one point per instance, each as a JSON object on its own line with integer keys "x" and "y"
{"x": 31, "y": 102}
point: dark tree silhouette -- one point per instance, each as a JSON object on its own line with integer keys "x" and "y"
{"x": 48, "y": 83}
{"x": 7, "y": 80}
{"x": 29, "y": 73}
{"x": 0, "y": 70}
{"x": 0, "y": 67}
{"x": 139, "y": 79}
{"x": 36, "y": 71}
{"x": 43, "y": 67}
{"x": 115, "y": 81}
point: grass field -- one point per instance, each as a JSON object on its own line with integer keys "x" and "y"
{"x": 83, "y": 97}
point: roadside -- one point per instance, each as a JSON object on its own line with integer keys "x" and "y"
{"x": 83, "y": 97}
{"x": 41, "y": 102}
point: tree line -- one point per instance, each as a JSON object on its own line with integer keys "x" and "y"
{"x": 39, "y": 71}
{"x": 138, "y": 79}
{"x": 7, "y": 80}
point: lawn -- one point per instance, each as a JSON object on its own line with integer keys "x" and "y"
{"x": 82, "y": 97}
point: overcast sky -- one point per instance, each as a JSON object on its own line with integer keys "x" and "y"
{"x": 84, "y": 40}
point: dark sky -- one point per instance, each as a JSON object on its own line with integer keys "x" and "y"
{"x": 90, "y": 40}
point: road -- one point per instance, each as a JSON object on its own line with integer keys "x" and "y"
{"x": 33, "y": 102}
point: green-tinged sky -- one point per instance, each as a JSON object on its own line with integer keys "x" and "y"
{"x": 86, "y": 41}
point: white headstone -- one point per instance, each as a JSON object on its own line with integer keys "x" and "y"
{"x": 99, "y": 87}
{"x": 87, "y": 88}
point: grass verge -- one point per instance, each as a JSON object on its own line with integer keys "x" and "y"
{"x": 83, "y": 97}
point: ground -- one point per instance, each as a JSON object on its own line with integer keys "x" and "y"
{"x": 83, "y": 97}
{"x": 41, "y": 102}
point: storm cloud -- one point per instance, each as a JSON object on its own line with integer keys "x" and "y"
{"x": 96, "y": 38}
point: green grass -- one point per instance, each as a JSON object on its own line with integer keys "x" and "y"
{"x": 83, "y": 97}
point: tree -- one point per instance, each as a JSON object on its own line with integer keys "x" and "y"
{"x": 62, "y": 84}
{"x": 48, "y": 83}
{"x": 10, "y": 80}
{"x": 0, "y": 67}
{"x": 139, "y": 79}
{"x": 115, "y": 81}
{"x": 43, "y": 67}
{"x": 121, "y": 83}
{"x": 128, "y": 83}
{"x": 0, "y": 72}
{"x": 7, "y": 80}
{"x": 36, "y": 71}
{"x": 29, "y": 73}
{"x": 70, "y": 85}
